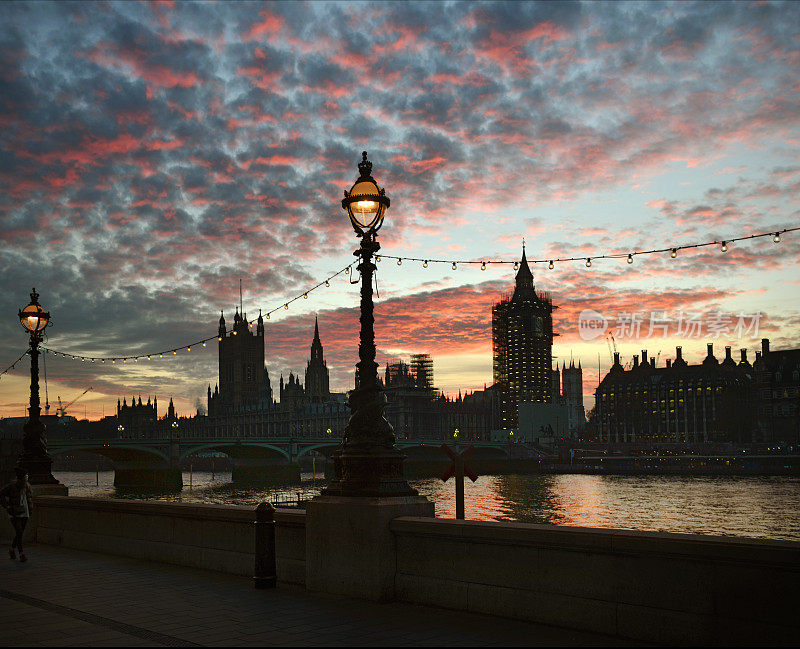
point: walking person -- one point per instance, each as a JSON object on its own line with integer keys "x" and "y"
{"x": 16, "y": 498}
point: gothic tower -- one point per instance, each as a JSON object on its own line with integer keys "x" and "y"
{"x": 573, "y": 395}
{"x": 242, "y": 379}
{"x": 522, "y": 341}
{"x": 317, "y": 377}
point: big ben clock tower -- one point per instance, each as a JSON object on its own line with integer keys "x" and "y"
{"x": 522, "y": 341}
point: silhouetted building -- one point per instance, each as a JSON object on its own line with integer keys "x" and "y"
{"x": 292, "y": 394}
{"x": 777, "y": 385}
{"x": 522, "y": 342}
{"x": 243, "y": 377}
{"x": 137, "y": 416}
{"x": 709, "y": 402}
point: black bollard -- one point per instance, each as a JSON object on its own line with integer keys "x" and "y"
{"x": 264, "y": 574}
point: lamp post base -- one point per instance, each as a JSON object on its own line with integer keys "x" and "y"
{"x": 35, "y": 459}
{"x": 376, "y": 473}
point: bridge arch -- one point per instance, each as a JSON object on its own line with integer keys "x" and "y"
{"x": 333, "y": 444}
{"x": 116, "y": 453}
{"x": 228, "y": 448}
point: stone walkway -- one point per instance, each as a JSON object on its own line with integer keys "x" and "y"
{"x": 66, "y": 597}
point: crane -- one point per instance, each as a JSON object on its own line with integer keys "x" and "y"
{"x": 62, "y": 409}
{"x": 612, "y": 344}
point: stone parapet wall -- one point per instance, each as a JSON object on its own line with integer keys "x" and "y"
{"x": 666, "y": 588}
{"x": 211, "y": 537}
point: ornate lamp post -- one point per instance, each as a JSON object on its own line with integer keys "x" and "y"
{"x": 35, "y": 458}
{"x": 368, "y": 463}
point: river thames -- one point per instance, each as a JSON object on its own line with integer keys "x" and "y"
{"x": 759, "y": 507}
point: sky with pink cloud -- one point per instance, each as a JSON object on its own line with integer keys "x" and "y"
{"x": 153, "y": 154}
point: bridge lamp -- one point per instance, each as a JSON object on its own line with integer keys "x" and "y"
{"x": 367, "y": 463}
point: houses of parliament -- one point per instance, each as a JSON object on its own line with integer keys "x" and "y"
{"x": 243, "y": 404}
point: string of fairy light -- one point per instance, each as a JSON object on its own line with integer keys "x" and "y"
{"x": 724, "y": 245}
{"x": 14, "y": 364}
{"x": 174, "y": 351}
{"x": 673, "y": 251}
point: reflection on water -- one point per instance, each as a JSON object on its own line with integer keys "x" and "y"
{"x": 762, "y": 507}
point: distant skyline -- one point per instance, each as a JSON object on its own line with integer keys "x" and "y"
{"x": 152, "y": 154}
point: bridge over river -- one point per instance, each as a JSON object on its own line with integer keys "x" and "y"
{"x": 156, "y": 463}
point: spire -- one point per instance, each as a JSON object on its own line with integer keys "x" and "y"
{"x": 260, "y": 324}
{"x": 316, "y": 330}
{"x": 524, "y": 279}
{"x": 221, "y": 323}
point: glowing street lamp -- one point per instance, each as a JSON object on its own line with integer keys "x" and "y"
{"x": 367, "y": 463}
{"x": 35, "y": 459}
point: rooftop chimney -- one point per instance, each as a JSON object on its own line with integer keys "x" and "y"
{"x": 679, "y": 352}
{"x": 636, "y": 360}
{"x": 710, "y": 349}
{"x": 758, "y": 356}
{"x": 743, "y": 352}
{"x": 728, "y": 353}
{"x": 669, "y": 363}
{"x": 644, "y": 357}
{"x": 616, "y": 358}
{"x": 765, "y": 346}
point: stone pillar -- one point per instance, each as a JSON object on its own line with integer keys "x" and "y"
{"x": 350, "y": 549}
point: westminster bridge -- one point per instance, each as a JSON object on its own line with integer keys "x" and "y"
{"x": 157, "y": 463}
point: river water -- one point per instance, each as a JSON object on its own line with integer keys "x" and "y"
{"x": 759, "y": 507}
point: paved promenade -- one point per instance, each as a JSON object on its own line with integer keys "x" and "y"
{"x": 67, "y": 597}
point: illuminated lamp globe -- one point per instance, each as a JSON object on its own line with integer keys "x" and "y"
{"x": 365, "y": 203}
{"x": 33, "y": 317}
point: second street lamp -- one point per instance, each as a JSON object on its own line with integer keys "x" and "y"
{"x": 368, "y": 463}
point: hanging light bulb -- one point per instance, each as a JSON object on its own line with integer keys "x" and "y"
{"x": 204, "y": 343}
{"x": 347, "y": 270}
{"x": 267, "y": 319}
{"x": 161, "y": 355}
{"x": 124, "y": 360}
{"x": 724, "y": 247}
{"x": 399, "y": 262}
{"x": 777, "y": 237}
{"x": 188, "y": 349}
{"x": 174, "y": 352}
{"x": 425, "y": 264}
{"x": 102, "y": 360}
{"x": 674, "y": 253}
{"x": 630, "y": 258}
{"x": 483, "y": 265}
{"x": 148, "y": 356}
{"x": 454, "y": 265}
{"x": 83, "y": 360}
{"x": 588, "y": 262}
{"x": 135, "y": 360}
{"x": 286, "y": 306}
{"x": 234, "y": 333}
{"x": 305, "y": 296}
{"x": 327, "y": 283}
{"x": 550, "y": 265}
{"x": 377, "y": 258}
{"x": 113, "y": 361}
{"x": 516, "y": 265}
